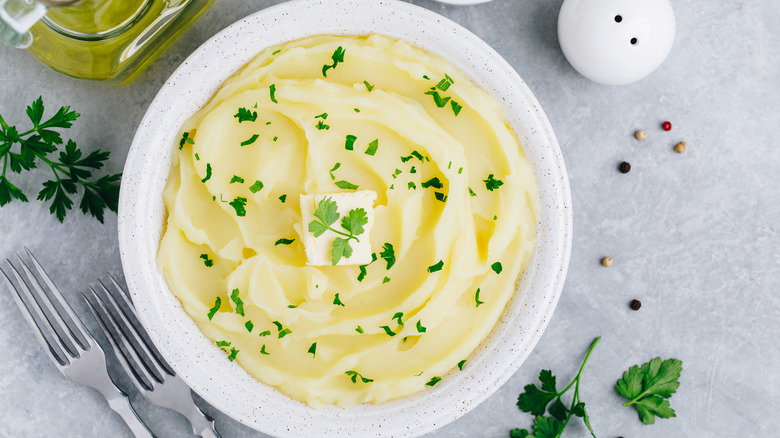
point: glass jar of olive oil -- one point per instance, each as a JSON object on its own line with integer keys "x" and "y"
{"x": 108, "y": 40}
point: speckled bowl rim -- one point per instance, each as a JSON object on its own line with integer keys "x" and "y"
{"x": 226, "y": 385}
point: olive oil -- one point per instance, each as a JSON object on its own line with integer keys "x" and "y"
{"x": 110, "y": 40}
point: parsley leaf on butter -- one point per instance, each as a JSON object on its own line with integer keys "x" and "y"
{"x": 245, "y": 115}
{"x": 648, "y": 387}
{"x": 353, "y": 223}
{"x": 340, "y": 249}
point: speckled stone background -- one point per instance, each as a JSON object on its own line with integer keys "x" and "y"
{"x": 694, "y": 236}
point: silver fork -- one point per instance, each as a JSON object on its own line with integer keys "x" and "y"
{"x": 72, "y": 348}
{"x": 143, "y": 363}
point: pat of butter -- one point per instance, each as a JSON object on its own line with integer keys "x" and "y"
{"x": 319, "y": 249}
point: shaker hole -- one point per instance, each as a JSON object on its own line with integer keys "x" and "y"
{"x": 618, "y": 18}
{"x": 634, "y": 41}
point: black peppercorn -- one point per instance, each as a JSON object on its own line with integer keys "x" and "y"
{"x": 635, "y": 304}
{"x": 624, "y": 167}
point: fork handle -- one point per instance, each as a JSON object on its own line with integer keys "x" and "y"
{"x": 202, "y": 425}
{"x": 121, "y": 405}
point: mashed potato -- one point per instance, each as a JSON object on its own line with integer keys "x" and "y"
{"x": 454, "y": 220}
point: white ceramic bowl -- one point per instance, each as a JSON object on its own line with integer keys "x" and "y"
{"x": 226, "y": 385}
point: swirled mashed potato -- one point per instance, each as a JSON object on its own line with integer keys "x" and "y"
{"x": 454, "y": 220}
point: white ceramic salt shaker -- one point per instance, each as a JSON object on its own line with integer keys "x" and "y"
{"x": 616, "y": 42}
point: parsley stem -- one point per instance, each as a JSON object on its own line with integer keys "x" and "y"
{"x": 348, "y": 236}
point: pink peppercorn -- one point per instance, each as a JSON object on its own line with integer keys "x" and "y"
{"x": 667, "y": 126}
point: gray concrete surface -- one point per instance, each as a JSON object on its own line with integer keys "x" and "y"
{"x": 693, "y": 236}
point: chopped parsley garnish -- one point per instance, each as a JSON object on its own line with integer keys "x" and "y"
{"x": 238, "y": 204}
{"x": 233, "y": 354}
{"x": 443, "y": 84}
{"x": 278, "y": 325}
{"x": 412, "y": 185}
{"x": 440, "y": 102}
{"x": 418, "y": 155}
{"x": 426, "y": 77}
{"x": 322, "y": 116}
{"x": 388, "y": 253}
{"x": 433, "y": 381}
{"x": 284, "y": 242}
{"x": 386, "y": 280}
{"x": 471, "y": 192}
{"x": 256, "y": 187}
{"x": 276, "y": 52}
{"x": 497, "y": 267}
{"x": 406, "y": 158}
{"x": 239, "y": 303}
{"x": 265, "y": 333}
{"x": 291, "y": 306}
{"x": 357, "y": 110}
{"x": 346, "y": 185}
{"x": 392, "y": 186}
{"x": 245, "y": 115}
{"x": 456, "y": 107}
{"x": 337, "y": 300}
{"x": 208, "y": 173}
{"x": 495, "y": 218}
{"x": 283, "y": 198}
{"x": 197, "y": 157}
{"x": 369, "y": 87}
{"x": 492, "y": 183}
{"x": 387, "y": 330}
{"x": 397, "y": 316}
{"x": 449, "y": 166}
{"x": 354, "y": 376}
{"x": 321, "y": 125}
{"x": 350, "y": 143}
{"x": 433, "y": 182}
{"x": 436, "y": 267}
{"x": 223, "y": 344}
{"x": 313, "y": 350}
{"x": 249, "y": 326}
{"x": 207, "y": 261}
{"x": 236, "y": 179}
{"x": 185, "y": 138}
{"x": 262, "y": 350}
{"x": 337, "y": 56}
{"x": 363, "y": 271}
{"x": 461, "y": 363}
{"x": 213, "y": 310}
{"x": 476, "y": 298}
{"x": 420, "y": 327}
{"x": 396, "y": 173}
{"x": 353, "y": 223}
{"x": 272, "y": 89}
{"x": 284, "y": 333}
{"x": 413, "y": 170}
{"x": 332, "y": 176}
{"x": 359, "y": 329}
{"x": 460, "y": 171}
{"x": 276, "y": 138}
{"x": 372, "y": 147}
{"x": 440, "y": 196}
{"x": 250, "y": 140}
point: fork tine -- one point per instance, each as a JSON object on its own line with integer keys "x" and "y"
{"x": 132, "y": 319}
{"x": 60, "y": 358}
{"x": 81, "y": 333}
{"x": 101, "y": 317}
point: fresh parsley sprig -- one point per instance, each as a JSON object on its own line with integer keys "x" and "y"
{"x": 536, "y": 400}
{"x": 352, "y": 223}
{"x": 70, "y": 170}
{"x": 649, "y": 387}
